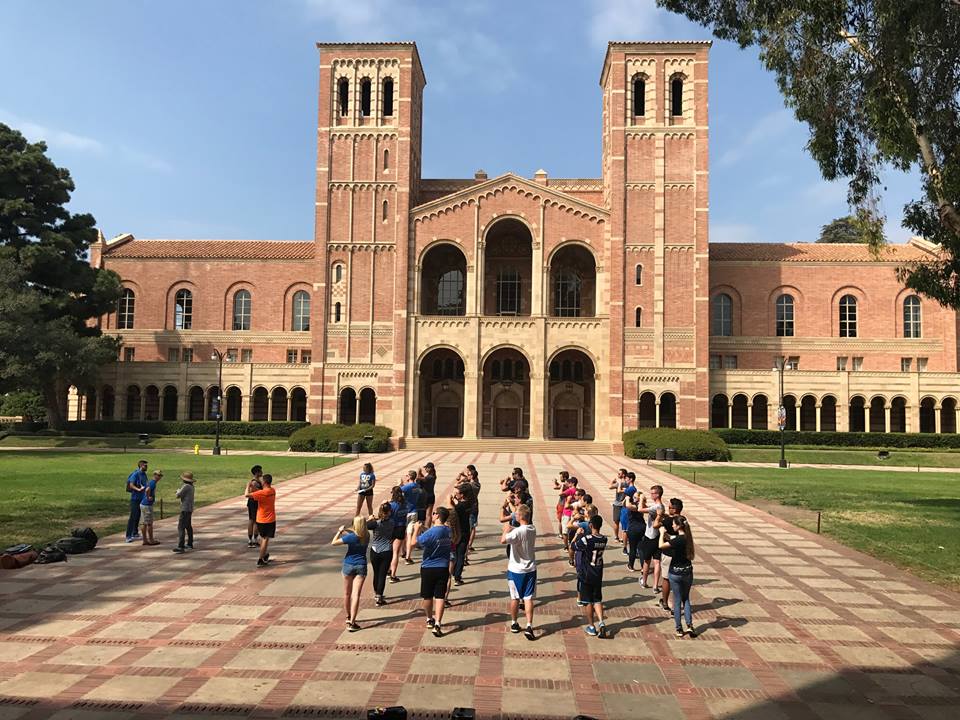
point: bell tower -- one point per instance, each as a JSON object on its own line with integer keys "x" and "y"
{"x": 368, "y": 176}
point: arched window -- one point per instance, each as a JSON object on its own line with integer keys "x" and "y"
{"x": 785, "y": 316}
{"x": 448, "y": 368}
{"x": 638, "y": 317}
{"x": 566, "y": 290}
{"x": 386, "y": 209}
{"x": 241, "y": 310}
{"x": 639, "y": 96}
{"x": 437, "y": 369}
{"x": 365, "y": 97}
{"x": 386, "y": 160}
{"x": 450, "y": 293}
{"x": 183, "y": 310}
{"x": 337, "y": 273}
{"x": 911, "y": 317}
{"x": 639, "y": 275}
{"x": 495, "y": 369}
{"x": 722, "y": 315}
{"x": 676, "y": 96}
{"x": 577, "y": 371}
{"x": 848, "y": 316}
{"x": 508, "y": 292}
{"x": 301, "y": 311}
{"x": 387, "y": 98}
{"x": 343, "y": 95}
{"x": 125, "y": 310}
{"x": 555, "y": 370}
{"x": 337, "y": 309}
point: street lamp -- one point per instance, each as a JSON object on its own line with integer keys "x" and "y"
{"x": 218, "y": 356}
{"x": 780, "y": 365}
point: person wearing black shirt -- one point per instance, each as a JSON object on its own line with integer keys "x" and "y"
{"x": 681, "y": 570}
{"x": 674, "y": 508}
{"x": 463, "y": 503}
{"x": 588, "y": 549}
{"x": 428, "y": 483}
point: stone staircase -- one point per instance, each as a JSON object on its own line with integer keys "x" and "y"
{"x": 506, "y": 445}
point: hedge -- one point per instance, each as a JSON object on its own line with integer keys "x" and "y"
{"x": 184, "y": 427}
{"x": 687, "y": 444}
{"x": 324, "y": 438}
{"x": 839, "y": 439}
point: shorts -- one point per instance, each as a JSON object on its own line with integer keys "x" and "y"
{"x": 474, "y": 521}
{"x": 522, "y": 585}
{"x": 365, "y": 493}
{"x": 589, "y": 593}
{"x": 433, "y": 583}
{"x": 422, "y": 514}
{"x": 146, "y": 514}
{"x": 398, "y": 532}
{"x": 649, "y": 549}
{"x": 252, "y": 506}
{"x": 617, "y": 509}
{"x": 358, "y": 570}
{"x": 267, "y": 530}
{"x": 559, "y": 510}
{"x": 431, "y": 500}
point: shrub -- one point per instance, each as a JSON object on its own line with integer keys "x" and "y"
{"x": 184, "y": 427}
{"x": 839, "y": 439}
{"x": 688, "y": 444}
{"x": 324, "y": 438}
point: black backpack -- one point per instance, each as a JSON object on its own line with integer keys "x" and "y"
{"x": 51, "y": 554}
{"x": 73, "y": 545}
{"x": 86, "y": 533}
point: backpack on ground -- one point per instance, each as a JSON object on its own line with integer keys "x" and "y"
{"x": 86, "y": 533}
{"x": 17, "y": 557}
{"x": 73, "y": 545}
{"x": 51, "y": 554}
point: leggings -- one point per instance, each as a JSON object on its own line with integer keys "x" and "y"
{"x": 461, "y": 557}
{"x": 381, "y": 568}
{"x": 634, "y": 538}
{"x": 680, "y": 587}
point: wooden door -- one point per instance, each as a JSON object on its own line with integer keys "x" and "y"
{"x": 507, "y": 422}
{"x": 566, "y": 423}
{"x": 448, "y": 422}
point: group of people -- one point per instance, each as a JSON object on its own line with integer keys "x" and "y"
{"x": 143, "y": 496}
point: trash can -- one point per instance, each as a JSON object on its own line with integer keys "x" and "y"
{"x": 144, "y": 438}
{"x": 671, "y": 454}
{"x": 343, "y": 447}
{"x": 660, "y": 454}
{"x": 357, "y": 447}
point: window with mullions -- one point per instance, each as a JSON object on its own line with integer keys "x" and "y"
{"x": 785, "y": 316}
{"x": 301, "y": 311}
{"x": 450, "y": 293}
{"x": 508, "y": 292}
{"x": 848, "y": 316}
{"x": 241, "y": 310}
{"x": 723, "y": 315}
{"x": 183, "y": 310}
{"x": 911, "y": 317}
{"x": 125, "y": 310}
{"x": 567, "y": 294}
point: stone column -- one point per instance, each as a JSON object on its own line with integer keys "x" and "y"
{"x": 749, "y": 416}
{"x": 657, "y": 412}
{"x": 729, "y": 414}
{"x": 356, "y": 413}
{"x": 886, "y": 418}
{"x": 819, "y": 412}
{"x": 936, "y": 418}
{"x": 537, "y": 390}
{"x": 956, "y": 420}
{"x": 143, "y": 403}
{"x": 246, "y": 401}
{"x": 269, "y": 407}
{"x": 796, "y": 417}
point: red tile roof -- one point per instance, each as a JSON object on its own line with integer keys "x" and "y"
{"x": 813, "y": 252}
{"x": 212, "y": 249}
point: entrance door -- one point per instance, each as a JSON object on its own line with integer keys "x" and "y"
{"x": 565, "y": 423}
{"x": 448, "y": 422}
{"x": 507, "y": 422}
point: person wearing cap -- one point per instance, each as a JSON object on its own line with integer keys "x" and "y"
{"x": 185, "y": 524}
{"x": 266, "y": 516}
{"x": 135, "y": 484}
{"x": 146, "y": 508}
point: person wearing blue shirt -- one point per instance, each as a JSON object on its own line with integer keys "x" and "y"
{"x": 398, "y": 506}
{"x": 435, "y": 567}
{"x": 146, "y": 508}
{"x": 628, "y": 492}
{"x": 136, "y": 481}
{"x": 413, "y": 494}
{"x": 356, "y": 538}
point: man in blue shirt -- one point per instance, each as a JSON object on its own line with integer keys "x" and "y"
{"x": 136, "y": 482}
{"x": 146, "y": 508}
{"x": 435, "y": 567}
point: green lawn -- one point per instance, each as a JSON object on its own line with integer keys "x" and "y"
{"x": 911, "y": 519}
{"x": 131, "y": 442}
{"x": 848, "y": 456}
{"x": 45, "y": 494}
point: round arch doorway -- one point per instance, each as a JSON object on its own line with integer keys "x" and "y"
{"x": 441, "y": 394}
{"x": 571, "y": 396}
{"x": 506, "y": 394}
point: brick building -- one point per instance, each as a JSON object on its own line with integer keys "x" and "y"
{"x": 509, "y": 307}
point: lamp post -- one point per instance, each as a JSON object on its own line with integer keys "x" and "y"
{"x": 218, "y": 356}
{"x": 780, "y": 366}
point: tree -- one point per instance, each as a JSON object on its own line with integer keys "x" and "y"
{"x": 877, "y": 83}
{"x": 26, "y": 403}
{"x": 49, "y": 293}
{"x": 842, "y": 230}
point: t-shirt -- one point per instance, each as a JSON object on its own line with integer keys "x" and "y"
{"x": 679, "y": 562}
{"x": 588, "y": 553}
{"x": 137, "y": 477}
{"x": 149, "y": 493}
{"x": 382, "y": 539}
{"x": 398, "y": 512}
{"x": 667, "y": 523}
{"x": 568, "y": 493}
{"x": 463, "y": 510}
{"x": 266, "y": 504}
{"x": 356, "y": 550}
{"x": 412, "y": 493}
{"x": 186, "y": 495}
{"x": 523, "y": 549}
{"x": 436, "y": 547}
{"x": 619, "y": 494}
{"x": 429, "y": 483}
{"x": 367, "y": 481}
{"x": 651, "y": 531}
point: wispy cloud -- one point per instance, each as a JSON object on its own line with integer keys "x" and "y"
{"x": 826, "y": 194}
{"x": 626, "y": 20}
{"x": 766, "y": 129}
{"x": 362, "y": 21}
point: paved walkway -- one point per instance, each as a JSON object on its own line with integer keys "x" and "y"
{"x": 793, "y": 626}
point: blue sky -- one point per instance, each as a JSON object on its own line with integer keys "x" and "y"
{"x": 196, "y": 119}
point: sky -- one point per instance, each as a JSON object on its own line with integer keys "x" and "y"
{"x": 197, "y": 118}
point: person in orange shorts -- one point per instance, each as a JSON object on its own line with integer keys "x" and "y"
{"x": 266, "y": 516}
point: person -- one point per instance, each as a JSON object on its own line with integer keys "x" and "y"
{"x": 381, "y": 549}
{"x": 136, "y": 481}
{"x": 435, "y": 567}
{"x": 589, "y": 547}
{"x": 560, "y": 485}
{"x": 649, "y": 546}
{"x": 584, "y": 509}
{"x": 456, "y": 535}
{"x": 508, "y": 483}
{"x": 253, "y": 484}
{"x": 398, "y": 507}
{"x": 618, "y": 484}
{"x": 474, "y": 482}
{"x": 681, "y": 570}
{"x": 462, "y": 502}
{"x": 521, "y": 542}
{"x": 266, "y": 516}
{"x": 577, "y": 506}
{"x": 185, "y": 523}
{"x": 674, "y": 508}
{"x": 428, "y": 483}
{"x": 357, "y": 538}
{"x": 568, "y": 498}
{"x": 628, "y": 492}
{"x": 146, "y": 508}
{"x": 413, "y": 494}
{"x": 635, "y": 529}
{"x": 365, "y": 488}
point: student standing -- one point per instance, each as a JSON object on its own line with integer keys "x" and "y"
{"x": 589, "y": 547}
{"x": 398, "y": 510}
{"x": 413, "y": 494}
{"x": 266, "y": 516}
{"x": 650, "y": 545}
{"x": 381, "y": 549}
{"x": 521, "y": 568}
{"x": 435, "y": 567}
{"x": 463, "y": 503}
{"x": 185, "y": 523}
{"x": 428, "y": 482}
{"x": 146, "y": 508}
{"x": 357, "y": 538}
{"x": 365, "y": 488}
{"x": 136, "y": 481}
{"x": 255, "y": 483}
{"x": 681, "y": 570}
{"x": 618, "y": 484}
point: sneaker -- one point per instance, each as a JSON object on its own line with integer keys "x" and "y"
{"x": 656, "y": 590}
{"x": 631, "y": 568}
{"x": 261, "y": 563}
{"x": 431, "y": 622}
{"x": 591, "y": 631}
{"x": 266, "y": 558}
{"x": 437, "y": 630}
{"x": 380, "y": 600}
{"x": 691, "y": 632}
{"x": 179, "y": 550}
{"x": 515, "y": 627}
{"x": 528, "y": 633}
{"x": 137, "y": 536}
{"x": 644, "y": 586}
{"x": 189, "y": 547}
{"x": 353, "y": 627}
{"x": 457, "y": 581}
{"x": 601, "y": 630}
{"x": 394, "y": 579}
{"x": 130, "y": 539}
{"x": 679, "y": 632}
{"x": 408, "y": 561}
{"x": 251, "y": 544}
{"x": 663, "y": 605}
